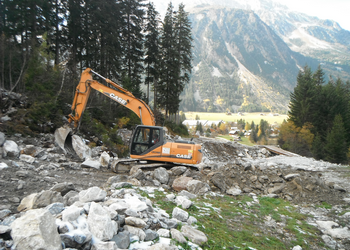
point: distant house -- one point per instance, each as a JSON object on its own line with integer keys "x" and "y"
{"x": 234, "y": 132}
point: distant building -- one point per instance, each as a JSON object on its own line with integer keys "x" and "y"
{"x": 205, "y": 123}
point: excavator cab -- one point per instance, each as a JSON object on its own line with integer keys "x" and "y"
{"x": 146, "y": 138}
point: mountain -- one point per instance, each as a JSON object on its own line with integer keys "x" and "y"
{"x": 247, "y": 54}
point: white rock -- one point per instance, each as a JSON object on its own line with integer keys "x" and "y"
{"x": 137, "y": 231}
{"x": 180, "y": 214}
{"x": 104, "y": 159}
{"x": 177, "y": 235}
{"x": 89, "y": 163}
{"x": 92, "y": 194}
{"x": 100, "y": 224}
{"x": 27, "y": 158}
{"x": 3, "y": 165}
{"x": 194, "y": 235}
{"x": 234, "y": 191}
{"x": 135, "y": 222}
{"x": 163, "y": 233}
{"x": 11, "y": 149}
{"x": 71, "y": 213}
{"x": 36, "y": 230}
{"x": 332, "y": 228}
{"x": 183, "y": 201}
{"x": 82, "y": 150}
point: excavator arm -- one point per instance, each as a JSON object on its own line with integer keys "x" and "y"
{"x": 120, "y": 95}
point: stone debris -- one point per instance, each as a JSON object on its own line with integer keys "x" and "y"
{"x": 45, "y": 211}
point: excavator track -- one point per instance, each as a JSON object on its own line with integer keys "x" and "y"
{"x": 122, "y": 166}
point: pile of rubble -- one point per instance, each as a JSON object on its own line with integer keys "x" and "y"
{"x": 49, "y": 201}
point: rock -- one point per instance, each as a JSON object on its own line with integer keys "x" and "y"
{"x": 276, "y": 189}
{"x": 27, "y": 203}
{"x": 2, "y": 139}
{"x": 116, "y": 179}
{"x": 187, "y": 194}
{"x": 194, "y": 235}
{"x": 135, "y": 222}
{"x": 10, "y": 149}
{"x": 92, "y": 194}
{"x": 197, "y": 187}
{"x": 82, "y": 150}
{"x": 71, "y": 213}
{"x": 122, "y": 239}
{"x": 104, "y": 159}
{"x": 4, "y": 229}
{"x": 218, "y": 179}
{"x": 100, "y": 223}
{"x": 70, "y": 198}
{"x": 4, "y": 213}
{"x": 191, "y": 220}
{"x": 99, "y": 245}
{"x": 329, "y": 241}
{"x": 46, "y": 197}
{"x": 181, "y": 183}
{"x": 183, "y": 201}
{"x": 177, "y": 235}
{"x": 161, "y": 175}
{"x": 90, "y": 163}
{"x": 163, "y": 233}
{"x": 63, "y": 188}
{"x": 178, "y": 170}
{"x": 234, "y": 191}
{"x": 55, "y": 208}
{"x": 150, "y": 235}
{"x": 36, "y": 230}
{"x": 3, "y": 165}
{"x": 137, "y": 231}
{"x": 27, "y": 158}
{"x": 180, "y": 214}
{"x": 332, "y": 228}
{"x": 291, "y": 176}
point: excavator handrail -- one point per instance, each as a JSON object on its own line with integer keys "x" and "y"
{"x": 122, "y": 96}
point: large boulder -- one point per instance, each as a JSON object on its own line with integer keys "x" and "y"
{"x": 194, "y": 235}
{"x": 11, "y": 149}
{"x": 161, "y": 175}
{"x": 92, "y": 194}
{"x": 36, "y": 230}
{"x": 198, "y": 187}
{"x": 181, "y": 183}
{"x": 100, "y": 223}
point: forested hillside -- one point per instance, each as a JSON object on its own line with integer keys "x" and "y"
{"x": 45, "y": 45}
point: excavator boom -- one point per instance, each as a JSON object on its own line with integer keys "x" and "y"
{"x": 120, "y": 95}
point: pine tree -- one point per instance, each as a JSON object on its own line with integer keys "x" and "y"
{"x": 335, "y": 147}
{"x": 302, "y": 100}
{"x": 152, "y": 47}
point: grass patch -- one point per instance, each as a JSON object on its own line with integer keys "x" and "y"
{"x": 325, "y": 205}
{"x": 245, "y": 140}
{"x": 240, "y": 223}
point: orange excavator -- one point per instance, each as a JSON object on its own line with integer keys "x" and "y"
{"x": 149, "y": 142}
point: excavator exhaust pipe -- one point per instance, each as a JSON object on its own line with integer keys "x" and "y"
{"x": 63, "y": 138}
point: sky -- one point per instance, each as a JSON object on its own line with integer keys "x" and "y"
{"x": 336, "y": 10}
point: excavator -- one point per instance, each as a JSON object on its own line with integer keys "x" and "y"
{"x": 148, "y": 144}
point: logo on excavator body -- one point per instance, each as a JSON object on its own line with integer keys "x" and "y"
{"x": 118, "y": 99}
{"x": 184, "y": 156}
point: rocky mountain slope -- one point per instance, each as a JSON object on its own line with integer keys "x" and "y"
{"x": 85, "y": 206}
{"x": 247, "y": 54}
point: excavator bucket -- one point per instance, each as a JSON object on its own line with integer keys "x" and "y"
{"x": 63, "y": 138}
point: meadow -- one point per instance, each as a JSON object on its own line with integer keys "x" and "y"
{"x": 248, "y": 117}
